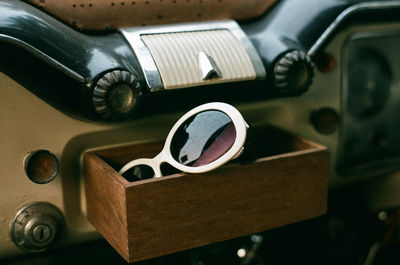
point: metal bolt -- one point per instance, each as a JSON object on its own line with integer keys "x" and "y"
{"x": 41, "y": 233}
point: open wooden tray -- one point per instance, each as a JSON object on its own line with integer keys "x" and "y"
{"x": 287, "y": 183}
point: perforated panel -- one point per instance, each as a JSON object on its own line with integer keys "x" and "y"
{"x": 176, "y": 57}
{"x": 111, "y": 14}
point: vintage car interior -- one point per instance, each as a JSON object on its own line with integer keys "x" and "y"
{"x": 200, "y": 132}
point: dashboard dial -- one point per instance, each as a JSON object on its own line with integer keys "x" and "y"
{"x": 369, "y": 81}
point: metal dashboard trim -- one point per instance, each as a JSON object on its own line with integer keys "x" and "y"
{"x": 378, "y": 5}
{"x": 41, "y": 55}
{"x": 147, "y": 63}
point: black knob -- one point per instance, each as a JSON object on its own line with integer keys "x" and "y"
{"x": 293, "y": 73}
{"x": 116, "y": 95}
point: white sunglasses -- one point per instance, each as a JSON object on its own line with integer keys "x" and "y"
{"x": 203, "y": 139}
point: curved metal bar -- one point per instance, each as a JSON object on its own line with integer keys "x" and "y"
{"x": 292, "y": 24}
{"x": 304, "y": 25}
{"x": 381, "y": 5}
{"x": 43, "y": 56}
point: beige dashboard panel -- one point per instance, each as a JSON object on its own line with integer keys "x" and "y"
{"x": 28, "y": 124}
{"x": 110, "y": 14}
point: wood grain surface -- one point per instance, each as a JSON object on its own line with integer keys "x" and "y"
{"x": 106, "y": 202}
{"x": 154, "y": 217}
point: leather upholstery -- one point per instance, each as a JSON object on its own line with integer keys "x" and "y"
{"x": 95, "y": 15}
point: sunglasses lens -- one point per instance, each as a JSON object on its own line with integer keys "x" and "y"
{"x": 203, "y": 138}
{"x": 139, "y": 172}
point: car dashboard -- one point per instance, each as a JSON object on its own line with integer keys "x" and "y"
{"x": 88, "y": 86}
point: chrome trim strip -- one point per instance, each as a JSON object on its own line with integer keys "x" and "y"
{"x": 147, "y": 64}
{"x": 250, "y": 49}
{"x": 146, "y": 61}
{"x": 74, "y": 75}
{"x": 345, "y": 14}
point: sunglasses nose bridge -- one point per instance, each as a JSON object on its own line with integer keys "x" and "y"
{"x": 156, "y": 162}
{"x": 153, "y": 163}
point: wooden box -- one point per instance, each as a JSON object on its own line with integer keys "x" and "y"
{"x": 287, "y": 183}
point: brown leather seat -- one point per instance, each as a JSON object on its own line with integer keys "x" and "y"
{"x": 95, "y": 15}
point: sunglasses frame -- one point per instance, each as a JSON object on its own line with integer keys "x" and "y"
{"x": 165, "y": 155}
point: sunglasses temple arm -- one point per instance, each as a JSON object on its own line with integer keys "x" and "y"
{"x": 240, "y": 152}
